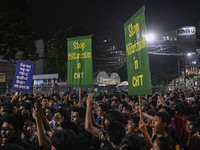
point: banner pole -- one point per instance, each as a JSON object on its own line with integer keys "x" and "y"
{"x": 140, "y": 104}
{"x": 79, "y": 95}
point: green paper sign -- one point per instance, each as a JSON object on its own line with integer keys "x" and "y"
{"x": 139, "y": 79}
{"x": 79, "y": 64}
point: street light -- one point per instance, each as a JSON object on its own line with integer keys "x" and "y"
{"x": 150, "y": 37}
{"x": 189, "y": 54}
{"x": 194, "y": 62}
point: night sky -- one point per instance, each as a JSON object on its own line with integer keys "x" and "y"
{"x": 51, "y": 16}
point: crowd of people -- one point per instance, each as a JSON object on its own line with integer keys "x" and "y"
{"x": 166, "y": 121}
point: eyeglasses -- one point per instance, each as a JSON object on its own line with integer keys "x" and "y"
{"x": 7, "y": 129}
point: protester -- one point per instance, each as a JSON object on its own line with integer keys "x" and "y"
{"x": 104, "y": 122}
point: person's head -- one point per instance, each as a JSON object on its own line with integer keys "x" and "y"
{"x": 78, "y": 115}
{"x": 113, "y": 115}
{"x": 49, "y": 112}
{"x": 64, "y": 139}
{"x": 126, "y": 109}
{"x": 120, "y": 105}
{"x": 167, "y": 109}
{"x": 144, "y": 105}
{"x": 177, "y": 108}
{"x": 61, "y": 115}
{"x": 84, "y": 98}
{"x": 126, "y": 99}
{"x": 55, "y": 97}
{"x": 68, "y": 125}
{"x": 6, "y": 112}
{"x": 70, "y": 104}
{"x": 29, "y": 126}
{"x": 188, "y": 110}
{"x": 153, "y": 103}
{"x": 25, "y": 108}
{"x": 101, "y": 110}
{"x": 30, "y": 100}
{"x": 51, "y": 102}
{"x": 163, "y": 109}
{"x": 190, "y": 127}
{"x": 115, "y": 96}
{"x": 8, "y": 107}
{"x": 133, "y": 142}
{"x": 164, "y": 143}
{"x": 115, "y": 133}
{"x": 190, "y": 100}
{"x": 136, "y": 105}
{"x": 160, "y": 122}
{"x": 133, "y": 124}
{"x": 11, "y": 128}
{"x": 44, "y": 102}
{"x": 114, "y": 103}
{"x": 149, "y": 121}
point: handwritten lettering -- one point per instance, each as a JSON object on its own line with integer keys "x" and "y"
{"x": 22, "y": 77}
{"x": 78, "y": 75}
{"x": 78, "y": 45}
{"x": 23, "y": 73}
{"x": 25, "y": 66}
{"x": 133, "y": 29}
{"x": 132, "y": 48}
{"x": 137, "y": 80}
{"x": 24, "y": 69}
{"x": 72, "y": 56}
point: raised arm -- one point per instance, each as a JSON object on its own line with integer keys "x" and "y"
{"x": 88, "y": 120}
{"x": 43, "y": 142}
{"x": 45, "y": 122}
{"x": 147, "y": 116}
{"x": 161, "y": 100}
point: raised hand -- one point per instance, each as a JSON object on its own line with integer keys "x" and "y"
{"x": 142, "y": 127}
{"x": 90, "y": 101}
{"x": 35, "y": 113}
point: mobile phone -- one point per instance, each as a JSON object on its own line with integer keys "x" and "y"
{"x": 156, "y": 93}
{"x": 16, "y": 93}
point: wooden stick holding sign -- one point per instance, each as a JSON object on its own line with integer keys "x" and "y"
{"x": 143, "y": 127}
{"x": 140, "y": 104}
{"x": 80, "y": 102}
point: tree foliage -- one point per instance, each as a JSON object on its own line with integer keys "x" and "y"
{"x": 16, "y": 36}
{"x": 57, "y": 51}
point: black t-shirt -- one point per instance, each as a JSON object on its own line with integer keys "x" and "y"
{"x": 174, "y": 135}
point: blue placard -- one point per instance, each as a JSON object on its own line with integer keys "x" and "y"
{"x": 23, "y": 76}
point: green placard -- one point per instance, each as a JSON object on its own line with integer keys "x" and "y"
{"x": 79, "y": 64}
{"x": 139, "y": 79}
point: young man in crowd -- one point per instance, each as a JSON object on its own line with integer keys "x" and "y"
{"x": 192, "y": 137}
{"x": 49, "y": 113}
{"x": 29, "y": 130}
{"x": 132, "y": 126}
{"x": 115, "y": 133}
{"x": 78, "y": 118}
{"x": 11, "y": 131}
{"x": 100, "y": 131}
{"x": 44, "y": 102}
{"x": 159, "y": 124}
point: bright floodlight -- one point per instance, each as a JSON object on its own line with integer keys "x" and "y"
{"x": 189, "y": 54}
{"x": 150, "y": 37}
{"x": 194, "y": 62}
